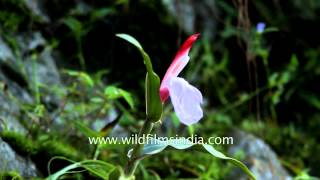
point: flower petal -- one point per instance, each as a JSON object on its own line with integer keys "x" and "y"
{"x": 186, "y": 100}
{"x": 179, "y": 62}
{"x": 260, "y": 27}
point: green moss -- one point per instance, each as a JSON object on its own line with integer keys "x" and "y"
{"x": 16, "y": 15}
{"x": 58, "y": 148}
{"x": 41, "y": 150}
{"x": 48, "y": 149}
{"x": 10, "y": 175}
{"x": 10, "y": 20}
{"x": 27, "y": 146}
{"x": 20, "y": 143}
{"x": 13, "y": 15}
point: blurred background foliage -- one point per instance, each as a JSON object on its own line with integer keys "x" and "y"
{"x": 263, "y": 83}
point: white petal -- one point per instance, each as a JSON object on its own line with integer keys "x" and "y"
{"x": 186, "y": 100}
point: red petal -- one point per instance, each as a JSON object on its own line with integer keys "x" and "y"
{"x": 186, "y": 46}
{"x": 176, "y": 65}
{"x": 164, "y": 94}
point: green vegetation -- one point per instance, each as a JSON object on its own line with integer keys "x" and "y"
{"x": 84, "y": 81}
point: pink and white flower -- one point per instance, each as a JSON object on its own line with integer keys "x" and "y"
{"x": 186, "y": 99}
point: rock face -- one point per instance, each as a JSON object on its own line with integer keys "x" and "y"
{"x": 10, "y": 161}
{"x": 35, "y": 7}
{"x": 9, "y": 112}
{"x": 194, "y": 16}
{"x": 9, "y": 108}
{"x": 259, "y": 157}
{"x": 5, "y": 51}
{"x": 17, "y": 72}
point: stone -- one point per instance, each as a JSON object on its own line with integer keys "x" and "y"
{"x": 258, "y": 156}
{"x": 5, "y": 51}
{"x": 9, "y": 98}
{"x": 16, "y": 83}
{"x": 11, "y": 161}
{"x": 36, "y": 60}
{"x": 35, "y": 6}
{"x": 194, "y": 16}
{"x": 46, "y": 69}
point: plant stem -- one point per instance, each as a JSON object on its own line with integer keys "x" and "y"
{"x": 80, "y": 55}
{"x": 134, "y": 159}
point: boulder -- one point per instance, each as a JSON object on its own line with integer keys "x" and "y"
{"x": 36, "y": 7}
{"x": 194, "y": 16}
{"x": 17, "y": 72}
{"x": 258, "y": 156}
{"x": 11, "y": 161}
{"x": 5, "y": 51}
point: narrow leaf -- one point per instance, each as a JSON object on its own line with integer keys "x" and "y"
{"x": 145, "y": 56}
{"x": 97, "y": 167}
{"x": 113, "y": 92}
{"x": 153, "y": 102}
{"x": 82, "y": 76}
{"x": 130, "y": 39}
{"x": 220, "y": 155}
{"x": 155, "y": 146}
{"x": 74, "y": 24}
{"x": 86, "y": 130}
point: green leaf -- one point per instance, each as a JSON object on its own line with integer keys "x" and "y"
{"x": 74, "y": 24}
{"x": 97, "y": 100}
{"x": 312, "y": 99}
{"x": 40, "y": 110}
{"x": 98, "y": 168}
{"x": 153, "y": 102}
{"x": 294, "y": 63}
{"x": 113, "y": 92}
{"x": 220, "y": 155}
{"x": 270, "y": 29}
{"x": 276, "y": 96}
{"x": 87, "y": 79}
{"x": 285, "y": 77}
{"x": 131, "y": 40}
{"x": 82, "y": 76}
{"x": 101, "y": 13}
{"x": 273, "y": 79}
{"x": 154, "y": 146}
{"x": 86, "y": 130}
{"x": 2, "y": 86}
{"x": 146, "y": 58}
{"x": 127, "y": 96}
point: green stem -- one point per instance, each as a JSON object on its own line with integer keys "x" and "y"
{"x": 80, "y": 55}
{"x": 35, "y": 80}
{"x": 134, "y": 159}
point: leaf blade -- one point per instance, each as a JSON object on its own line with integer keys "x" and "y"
{"x": 155, "y": 146}
{"x": 152, "y": 84}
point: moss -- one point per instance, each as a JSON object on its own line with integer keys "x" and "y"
{"x": 42, "y": 150}
{"x": 16, "y": 16}
{"x": 10, "y": 175}
{"x": 49, "y": 149}
{"x": 13, "y": 15}
{"x": 58, "y": 148}
{"x": 26, "y": 146}
{"x": 19, "y": 142}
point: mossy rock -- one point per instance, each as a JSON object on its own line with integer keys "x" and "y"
{"x": 20, "y": 143}
{"x": 42, "y": 150}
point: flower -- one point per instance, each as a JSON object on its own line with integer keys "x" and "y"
{"x": 260, "y": 27}
{"x": 186, "y": 99}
